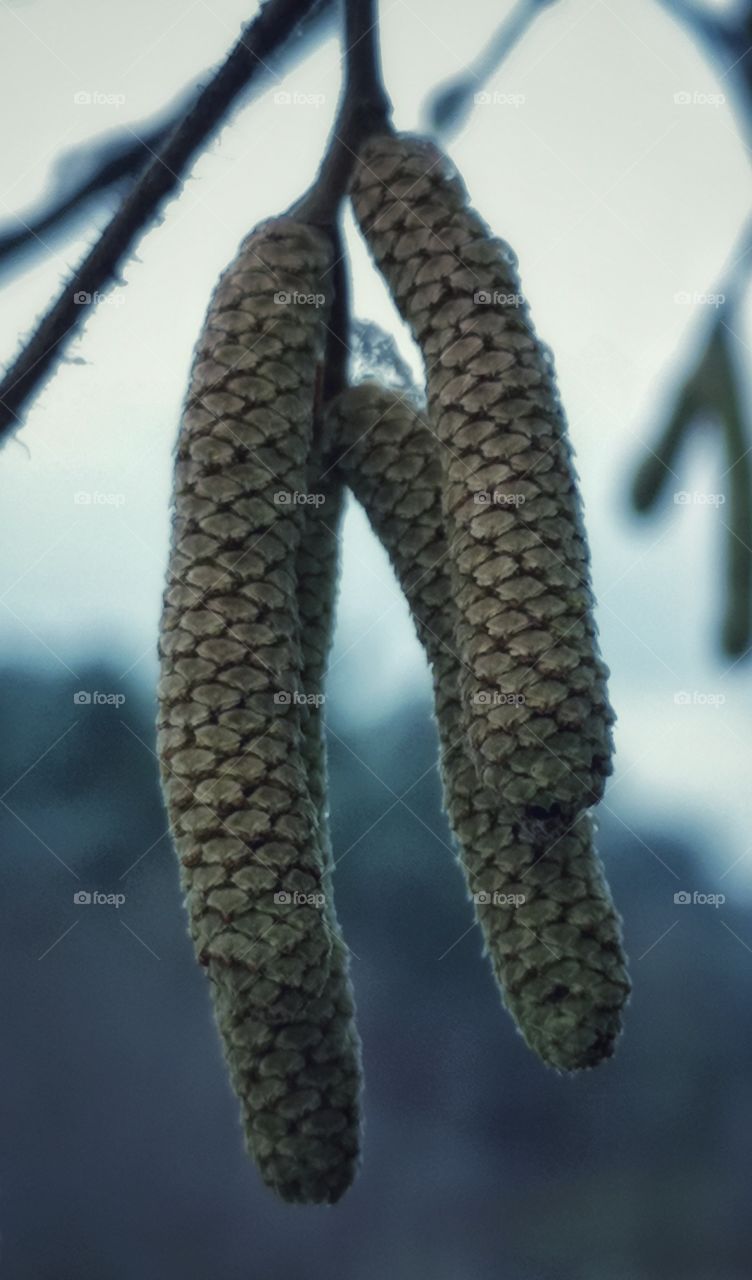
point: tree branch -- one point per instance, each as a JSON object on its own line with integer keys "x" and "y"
{"x": 364, "y": 85}
{"x": 364, "y": 108}
{"x": 450, "y": 105}
{"x": 111, "y": 164}
{"x": 108, "y": 165}
{"x": 263, "y": 36}
{"x": 715, "y": 30}
{"x": 710, "y": 394}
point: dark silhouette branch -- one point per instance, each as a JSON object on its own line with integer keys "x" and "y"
{"x": 718, "y": 33}
{"x": 736, "y": 633}
{"x": 110, "y": 165}
{"x": 260, "y": 39}
{"x": 364, "y": 108}
{"x": 450, "y": 105}
{"x": 709, "y": 395}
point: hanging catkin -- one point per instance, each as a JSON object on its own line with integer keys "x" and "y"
{"x": 231, "y": 730}
{"x": 331, "y": 1135}
{"x": 533, "y": 682}
{"x": 550, "y": 927}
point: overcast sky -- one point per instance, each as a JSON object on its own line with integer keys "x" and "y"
{"x": 617, "y": 198}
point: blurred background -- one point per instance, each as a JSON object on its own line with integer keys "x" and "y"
{"x": 610, "y": 150}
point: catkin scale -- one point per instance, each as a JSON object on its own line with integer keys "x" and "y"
{"x": 231, "y": 736}
{"x": 532, "y": 678}
{"x": 558, "y": 958}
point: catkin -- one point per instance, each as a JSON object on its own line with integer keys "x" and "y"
{"x": 532, "y": 679}
{"x": 336, "y": 1065}
{"x": 231, "y": 733}
{"x": 557, "y": 955}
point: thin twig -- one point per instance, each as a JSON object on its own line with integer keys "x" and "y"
{"x": 703, "y": 386}
{"x": 737, "y": 622}
{"x": 709, "y": 397}
{"x": 111, "y": 165}
{"x": 263, "y": 36}
{"x": 450, "y": 105}
{"x": 364, "y": 108}
{"x": 713, "y": 28}
{"x": 108, "y": 166}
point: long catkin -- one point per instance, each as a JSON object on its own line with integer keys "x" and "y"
{"x": 230, "y": 732}
{"x": 533, "y": 682}
{"x": 557, "y": 956}
{"x": 330, "y": 1136}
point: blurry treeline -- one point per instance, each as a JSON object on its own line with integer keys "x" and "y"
{"x": 121, "y": 1152}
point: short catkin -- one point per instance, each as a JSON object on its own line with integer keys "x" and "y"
{"x": 557, "y": 956}
{"x": 231, "y": 732}
{"x": 532, "y": 677}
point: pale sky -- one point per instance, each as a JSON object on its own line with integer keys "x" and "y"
{"x": 616, "y": 198}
